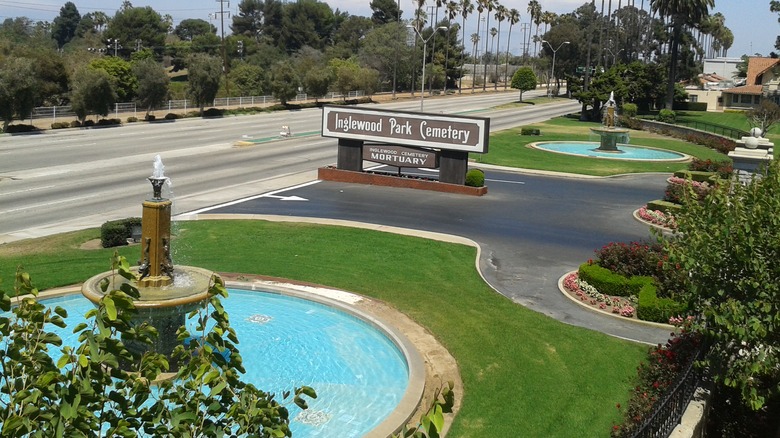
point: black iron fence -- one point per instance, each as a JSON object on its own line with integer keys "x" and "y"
{"x": 669, "y": 410}
{"x": 725, "y": 131}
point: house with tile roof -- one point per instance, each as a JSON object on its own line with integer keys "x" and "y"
{"x": 763, "y": 80}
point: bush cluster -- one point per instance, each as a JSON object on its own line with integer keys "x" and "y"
{"x": 109, "y": 122}
{"x": 629, "y": 110}
{"x": 132, "y": 119}
{"x": 655, "y": 377}
{"x": 172, "y": 116}
{"x": 678, "y": 188}
{"x": 475, "y": 178}
{"x": 20, "y": 128}
{"x": 611, "y": 283}
{"x": 629, "y": 259}
{"x": 663, "y": 206}
{"x": 720, "y": 144}
{"x": 116, "y": 233}
{"x": 652, "y": 308}
{"x": 530, "y": 131}
{"x": 60, "y": 125}
{"x": 724, "y": 168}
{"x": 667, "y": 116}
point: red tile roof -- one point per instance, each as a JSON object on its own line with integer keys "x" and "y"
{"x": 756, "y": 67}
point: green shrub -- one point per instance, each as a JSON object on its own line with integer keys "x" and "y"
{"x": 629, "y": 109}
{"x": 667, "y": 116}
{"x": 724, "y": 168}
{"x": 60, "y": 125}
{"x": 530, "y": 131}
{"x": 696, "y": 175}
{"x": 610, "y": 283}
{"x": 652, "y": 308}
{"x": 20, "y": 128}
{"x": 475, "y": 178}
{"x": 88, "y": 123}
{"x": 172, "y": 116}
{"x": 75, "y": 124}
{"x": 150, "y": 118}
{"x": 213, "y": 112}
{"x": 109, "y": 122}
{"x": 132, "y": 119}
{"x": 663, "y": 206}
{"x": 116, "y": 233}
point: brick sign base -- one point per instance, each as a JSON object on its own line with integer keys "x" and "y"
{"x": 348, "y": 176}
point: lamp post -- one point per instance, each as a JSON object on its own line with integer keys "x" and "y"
{"x": 614, "y": 55}
{"x": 425, "y": 48}
{"x": 552, "y": 71}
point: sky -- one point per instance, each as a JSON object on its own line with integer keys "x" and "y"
{"x": 754, "y": 27}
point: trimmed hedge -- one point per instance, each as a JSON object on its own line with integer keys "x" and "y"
{"x": 530, "y": 131}
{"x": 610, "y": 283}
{"x": 690, "y": 106}
{"x": 696, "y": 175}
{"x": 475, "y": 178}
{"x": 667, "y": 116}
{"x": 116, "y": 233}
{"x": 652, "y": 308}
{"x": 663, "y": 206}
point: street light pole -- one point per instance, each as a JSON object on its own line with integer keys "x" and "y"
{"x": 425, "y": 48}
{"x": 552, "y": 71}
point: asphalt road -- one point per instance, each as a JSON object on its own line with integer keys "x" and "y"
{"x": 532, "y": 229}
{"x": 72, "y": 179}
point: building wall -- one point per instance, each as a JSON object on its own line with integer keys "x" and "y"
{"x": 726, "y": 67}
{"x": 709, "y": 96}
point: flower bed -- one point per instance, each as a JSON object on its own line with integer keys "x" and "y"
{"x": 657, "y": 217}
{"x": 588, "y": 294}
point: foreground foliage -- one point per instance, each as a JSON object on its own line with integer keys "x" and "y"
{"x": 729, "y": 244}
{"x": 100, "y": 387}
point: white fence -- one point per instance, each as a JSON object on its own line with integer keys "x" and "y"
{"x": 131, "y": 109}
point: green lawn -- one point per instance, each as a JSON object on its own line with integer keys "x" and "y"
{"x": 508, "y": 148}
{"x": 735, "y": 120}
{"x": 524, "y": 373}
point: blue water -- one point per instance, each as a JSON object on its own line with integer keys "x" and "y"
{"x": 358, "y": 373}
{"x": 626, "y": 152}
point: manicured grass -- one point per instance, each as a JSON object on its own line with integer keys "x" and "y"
{"x": 524, "y": 373}
{"x": 529, "y": 102}
{"x": 732, "y": 119}
{"x": 508, "y": 148}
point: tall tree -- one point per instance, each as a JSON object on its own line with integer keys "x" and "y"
{"x": 192, "y": 27}
{"x": 249, "y": 19}
{"x": 284, "y": 81}
{"x": 489, "y": 6}
{"x": 453, "y": 9}
{"x": 64, "y": 26}
{"x": 142, "y": 25}
{"x": 204, "y": 73}
{"x": 680, "y": 13}
{"x": 535, "y": 14}
{"x": 92, "y": 92}
{"x": 480, "y": 10}
{"x": 501, "y": 14}
{"x": 384, "y": 11}
{"x": 17, "y": 89}
{"x": 466, "y": 8}
{"x": 514, "y": 17}
{"x": 152, "y": 80}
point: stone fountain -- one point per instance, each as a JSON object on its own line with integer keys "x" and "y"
{"x": 610, "y": 134}
{"x": 167, "y": 292}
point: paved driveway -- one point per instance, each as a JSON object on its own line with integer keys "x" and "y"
{"x": 532, "y": 229}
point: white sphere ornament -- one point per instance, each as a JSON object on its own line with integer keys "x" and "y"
{"x": 756, "y": 132}
{"x": 751, "y": 142}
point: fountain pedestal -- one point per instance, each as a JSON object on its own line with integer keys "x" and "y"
{"x": 155, "y": 243}
{"x": 610, "y": 138}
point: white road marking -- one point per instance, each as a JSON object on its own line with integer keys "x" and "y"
{"x": 251, "y": 198}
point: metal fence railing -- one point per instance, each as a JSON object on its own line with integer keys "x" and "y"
{"x": 181, "y": 105}
{"x": 669, "y": 410}
{"x": 725, "y": 131}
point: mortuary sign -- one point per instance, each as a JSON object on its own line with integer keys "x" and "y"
{"x": 458, "y": 133}
{"x": 400, "y": 156}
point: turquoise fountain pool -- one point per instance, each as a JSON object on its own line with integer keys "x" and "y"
{"x": 360, "y": 375}
{"x": 625, "y": 152}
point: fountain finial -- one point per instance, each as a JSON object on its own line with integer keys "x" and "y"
{"x": 158, "y": 177}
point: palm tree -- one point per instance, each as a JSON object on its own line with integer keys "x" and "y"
{"x": 535, "y": 14}
{"x": 453, "y": 8}
{"x": 480, "y": 9}
{"x": 466, "y": 8}
{"x": 475, "y": 41}
{"x": 418, "y": 23}
{"x": 514, "y": 17}
{"x": 501, "y": 15}
{"x": 680, "y": 13}
{"x": 489, "y": 5}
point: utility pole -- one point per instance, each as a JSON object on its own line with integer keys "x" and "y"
{"x": 115, "y": 44}
{"x": 221, "y": 14}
